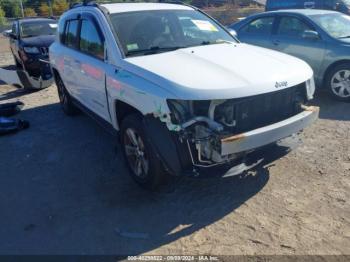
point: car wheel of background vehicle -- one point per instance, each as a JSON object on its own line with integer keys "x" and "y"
{"x": 145, "y": 168}
{"x": 65, "y": 99}
{"x": 338, "y": 82}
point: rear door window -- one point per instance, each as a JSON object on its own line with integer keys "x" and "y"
{"x": 91, "y": 41}
{"x": 71, "y": 35}
{"x": 262, "y": 26}
{"x": 292, "y": 26}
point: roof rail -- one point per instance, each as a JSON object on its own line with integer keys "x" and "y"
{"x": 176, "y": 2}
{"x": 84, "y": 3}
{"x": 90, "y": 4}
{"x": 36, "y": 17}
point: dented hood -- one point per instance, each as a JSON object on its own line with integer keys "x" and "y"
{"x": 221, "y": 71}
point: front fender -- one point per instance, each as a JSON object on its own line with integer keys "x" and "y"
{"x": 143, "y": 95}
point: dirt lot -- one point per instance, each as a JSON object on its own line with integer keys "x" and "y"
{"x": 65, "y": 190}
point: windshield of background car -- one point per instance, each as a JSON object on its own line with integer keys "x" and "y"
{"x": 32, "y": 29}
{"x": 336, "y": 24}
{"x": 166, "y": 30}
{"x": 347, "y": 2}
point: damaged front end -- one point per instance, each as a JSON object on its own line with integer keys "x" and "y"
{"x": 220, "y": 131}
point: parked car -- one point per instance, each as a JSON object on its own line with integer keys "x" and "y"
{"x": 183, "y": 93}
{"x": 30, "y": 39}
{"x": 336, "y": 5}
{"x": 321, "y": 38}
{"x": 7, "y": 33}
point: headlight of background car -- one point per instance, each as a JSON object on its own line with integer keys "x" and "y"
{"x": 310, "y": 88}
{"x": 31, "y": 50}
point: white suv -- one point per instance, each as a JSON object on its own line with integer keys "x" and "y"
{"x": 183, "y": 92}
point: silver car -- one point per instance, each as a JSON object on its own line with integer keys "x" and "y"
{"x": 319, "y": 37}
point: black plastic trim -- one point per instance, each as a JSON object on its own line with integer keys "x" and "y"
{"x": 102, "y": 122}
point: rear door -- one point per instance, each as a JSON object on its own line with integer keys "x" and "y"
{"x": 91, "y": 89}
{"x": 71, "y": 70}
{"x": 258, "y": 31}
{"x": 289, "y": 38}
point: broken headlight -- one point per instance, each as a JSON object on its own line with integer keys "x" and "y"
{"x": 209, "y": 111}
{"x": 180, "y": 110}
{"x": 31, "y": 50}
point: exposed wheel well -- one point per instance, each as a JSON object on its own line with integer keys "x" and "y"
{"x": 344, "y": 61}
{"x": 123, "y": 109}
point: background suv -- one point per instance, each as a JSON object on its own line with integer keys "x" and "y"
{"x": 337, "y": 5}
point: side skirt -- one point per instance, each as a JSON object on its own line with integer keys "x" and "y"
{"x": 102, "y": 122}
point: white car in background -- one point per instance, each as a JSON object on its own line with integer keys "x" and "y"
{"x": 183, "y": 93}
{"x": 7, "y": 33}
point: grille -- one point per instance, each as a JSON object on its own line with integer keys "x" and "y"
{"x": 262, "y": 110}
{"x": 44, "y": 50}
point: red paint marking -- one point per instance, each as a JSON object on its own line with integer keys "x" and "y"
{"x": 92, "y": 71}
{"x": 60, "y": 64}
{"x": 114, "y": 83}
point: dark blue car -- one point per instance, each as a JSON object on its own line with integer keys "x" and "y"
{"x": 320, "y": 38}
{"x": 30, "y": 39}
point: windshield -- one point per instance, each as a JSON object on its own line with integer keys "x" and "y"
{"x": 335, "y": 24}
{"x": 149, "y": 32}
{"x": 31, "y": 29}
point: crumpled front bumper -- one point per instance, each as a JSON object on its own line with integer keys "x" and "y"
{"x": 269, "y": 134}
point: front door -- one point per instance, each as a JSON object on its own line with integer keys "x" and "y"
{"x": 290, "y": 38}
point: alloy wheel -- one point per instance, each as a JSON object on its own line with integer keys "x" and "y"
{"x": 340, "y": 83}
{"x": 135, "y": 153}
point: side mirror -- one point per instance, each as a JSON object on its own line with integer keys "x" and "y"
{"x": 337, "y": 7}
{"x": 233, "y": 32}
{"x": 12, "y": 35}
{"x": 311, "y": 35}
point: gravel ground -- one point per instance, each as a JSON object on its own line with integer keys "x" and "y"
{"x": 65, "y": 190}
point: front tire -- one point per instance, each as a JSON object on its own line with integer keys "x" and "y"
{"x": 17, "y": 63}
{"x": 338, "y": 82}
{"x": 65, "y": 99}
{"x": 144, "y": 166}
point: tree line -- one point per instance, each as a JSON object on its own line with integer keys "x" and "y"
{"x": 45, "y": 8}
{"x": 13, "y": 8}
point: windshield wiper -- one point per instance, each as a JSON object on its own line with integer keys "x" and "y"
{"x": 153, "y": 50}
{"x": 342, "y": 37}
{"x": 216, "y": 42}
{"x": 27, "y": 36}
{"x": 207, "y": 43}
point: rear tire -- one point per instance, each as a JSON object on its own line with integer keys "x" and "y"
{"x": 17, "y": 63}
{"x": 65, "y": 99}
{"x": 338, "y": 82}
{"x": 144, "y": 166}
